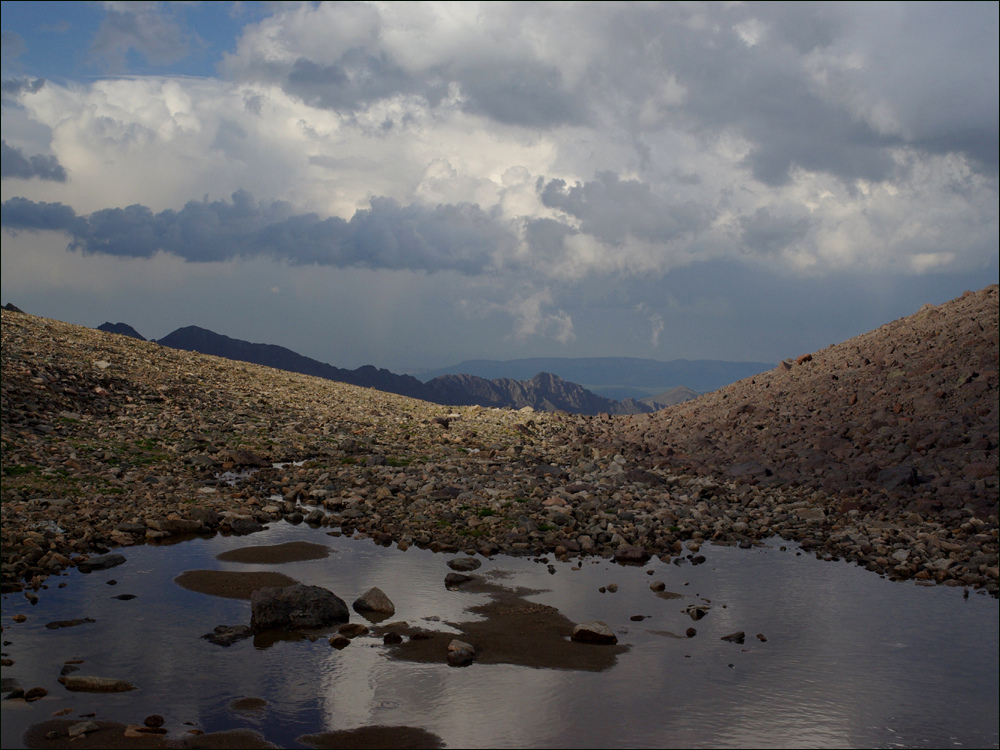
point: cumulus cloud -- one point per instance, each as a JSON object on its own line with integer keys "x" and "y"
{"x": 460, "y": 238}
{"x": 13, "y": 163}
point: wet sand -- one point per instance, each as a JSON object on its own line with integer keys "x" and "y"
{"x": 276, "y": 554}
{"x": 230, "y": 584}
{"x": 514, "y": 631}
{"x": 374, "y": 737}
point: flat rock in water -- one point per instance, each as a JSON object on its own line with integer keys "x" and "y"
{"x": 737, "y": 637}
{"x": 101, "y": 562}
{"x": 296, "y": 607}
{"x": 227, "y": 635}
{"x": 89, "y": 684}
{"x": 374, "y": 600}
{"x": 464, "y": 564}
{"x": 56, "y": 624}
{"x": 630, "y": 555}
{"x": 594, "y": 632}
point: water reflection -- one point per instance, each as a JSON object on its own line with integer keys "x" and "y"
{"x": 850, "y": 659}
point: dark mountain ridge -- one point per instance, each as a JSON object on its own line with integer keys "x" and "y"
{"x": 544, "y": 392}
{"x": 614, "y": 376}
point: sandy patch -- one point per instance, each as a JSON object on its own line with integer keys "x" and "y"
{"x": 112, "y": 735}
{"x": 230, "y": 584}
{"x": 514, "y": 631}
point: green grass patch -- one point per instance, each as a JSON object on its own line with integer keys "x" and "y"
{"x": 20, "y": 469}
{"x": 485, "y": 512}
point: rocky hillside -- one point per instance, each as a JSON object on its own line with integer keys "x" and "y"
{"x": 881, "y": 450}
{"x": 904, "y": 417}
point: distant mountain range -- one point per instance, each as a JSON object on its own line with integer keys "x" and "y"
{"x": 615, "y": 377}
{"x": 542, "y": 391}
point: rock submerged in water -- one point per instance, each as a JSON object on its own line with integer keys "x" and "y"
{"x": 101, "y": 562}
{"x": 227, "y": 635}
{"x": 296, "y": 607}
{"x": 454, "y": 580}
{"x": 88, "y": 684}
{"x": 374, "y": 600}
{"x": 594, "y": 632}
{"x": 460, "y": 653}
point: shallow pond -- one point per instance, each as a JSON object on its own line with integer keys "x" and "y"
{"x": 849, "y": 659}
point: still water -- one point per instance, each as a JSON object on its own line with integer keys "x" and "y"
{"x": 850, "y": 659}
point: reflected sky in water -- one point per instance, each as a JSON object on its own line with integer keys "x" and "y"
{"x": 850, "y": 659}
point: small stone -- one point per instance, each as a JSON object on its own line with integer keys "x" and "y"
{"x": 154, "y": 720}
{"x": 657, "y": 586}
{"x": 392, "y": 638}
{"x": 737, "y": 637}
{"x": 761, "y": 637}
{"x": 637, "y": 618}
{"x": 612, "y": 588}
{"x": 594, "y": 631}
{"x": 339, "y": 642}
{"x": 690, "y": 632}
{"x": 19, "y": 618}
{"x": 101, "y": 562}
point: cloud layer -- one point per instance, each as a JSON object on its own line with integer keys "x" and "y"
{"x": 545, "y": 153}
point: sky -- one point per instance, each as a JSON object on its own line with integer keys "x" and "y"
{"x": 413, "y": 185}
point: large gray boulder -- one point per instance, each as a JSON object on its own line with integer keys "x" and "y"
{"x": 374, "y": 601}
{"x": 295, "y": 608}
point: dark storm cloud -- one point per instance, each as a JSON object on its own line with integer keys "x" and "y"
{"x": 354, "y": 81}
{"x": 13, "y": 163}
{"x": 12, "y": 88}
{"x": 765, "y": 233}
{"x": 459, "y": 237}
{"x": 545, "y": 237}
{"x": 20, "y": 213}
{"x": 520, "y": 93}
{"x": 611, "y": 209}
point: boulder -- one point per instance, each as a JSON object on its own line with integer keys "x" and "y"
{"x": 594, "y": 632}
{"x": 296, "y": 607}
{"x": 374, "y": 600}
